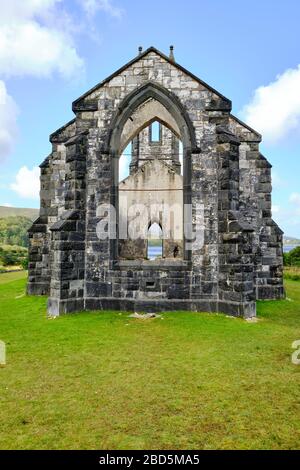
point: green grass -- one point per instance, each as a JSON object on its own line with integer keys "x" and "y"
{"x": 102, "y": 380}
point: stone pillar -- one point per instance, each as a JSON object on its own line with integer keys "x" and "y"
{"x": 134, "y": 164}
{"x": 102, "y": 190}
{"x": 236, "y": 278}
{"x": 67, "y": 261}
{"x": 68, "y": 235}
{"x": 269, "y": 255}
{"x": 38, "y": 252}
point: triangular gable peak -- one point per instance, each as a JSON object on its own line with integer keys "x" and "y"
{"x": 151, "y": 65}
{"x": 244, "y": 132}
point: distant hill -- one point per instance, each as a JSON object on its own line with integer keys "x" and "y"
{"x": 31, "y": 214}
{"x": 291, "y": 241}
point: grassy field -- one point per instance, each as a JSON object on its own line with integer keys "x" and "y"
{"x": 104, "y": 380}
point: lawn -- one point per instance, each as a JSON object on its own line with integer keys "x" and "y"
{"x": 103, "y": 380}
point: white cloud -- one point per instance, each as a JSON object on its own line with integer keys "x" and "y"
{"x": 37, "y": 38}
{"x": 91, "y": 7}
{"x": 6, "y": 204}
{"x": 295, "y": 198}
{"x": 27, "y": 183}
{"x": 32, "y": 43}
{"x": 277, "y": 181}
{"x": 288, "y": 215}
{"x": 275, "y": 209}
{"x": 8, "y": 118}
{"x": 275, "y": 108}
{"x": 19, "y": 56}
{"x": 293, "y": 214}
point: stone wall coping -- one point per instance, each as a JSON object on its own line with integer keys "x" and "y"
{"x": 66, "y": 216}
{"x": 243, "y": 124}
{"x": 55, "y": 134}
{"x": 38, "y": 221}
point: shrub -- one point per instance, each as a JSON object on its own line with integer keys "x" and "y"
{"x": 24, "y": 263}
{"x": 13, "y": 230}
{"x": 286, "y": 259}
{"x": 294, "y": 257}
{"x": 12, "y": 255}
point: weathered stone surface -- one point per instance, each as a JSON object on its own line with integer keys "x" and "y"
{"x": 224, "y": 172}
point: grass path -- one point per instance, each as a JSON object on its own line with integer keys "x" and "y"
{"x": 103, "y": 380}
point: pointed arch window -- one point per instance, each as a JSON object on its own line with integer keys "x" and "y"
{"x": 154, "y": 242}
{"x": 155, "y": 132}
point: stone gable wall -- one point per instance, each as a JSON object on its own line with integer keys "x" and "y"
{"x": 224, "y": 176}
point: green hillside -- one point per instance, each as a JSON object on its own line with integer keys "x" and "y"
{"x": 18, "y": 212}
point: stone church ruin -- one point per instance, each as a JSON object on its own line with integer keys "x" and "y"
{"x": 194, "y": 175}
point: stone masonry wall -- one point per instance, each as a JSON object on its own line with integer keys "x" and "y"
{"x": 225, "y": 179}
{"x": 167, "y": 149}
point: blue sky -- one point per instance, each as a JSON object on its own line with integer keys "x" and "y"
{"x": 51, "y": 51}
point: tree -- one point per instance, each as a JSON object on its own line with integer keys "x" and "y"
{"x": 13, "y": 230}
{"x": 24, "y": 263}
{"x": 294, "y": 257}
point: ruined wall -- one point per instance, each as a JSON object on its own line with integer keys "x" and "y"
{"x": 256, "y": 205}
{"x": 167, "y": 149}
{"x": 154, "y": 185}
{"x": 52, "y": 207}
{"x": 196, "y": 98}
{"x": 224, "y": 179}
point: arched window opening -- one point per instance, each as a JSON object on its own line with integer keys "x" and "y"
{"x": 152, "y": 140}
{"x": 151, "y": 176}
{"x": 169, "y": 149}
{"x": 155, "y": 242}
{"x": 155, "y": 132}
